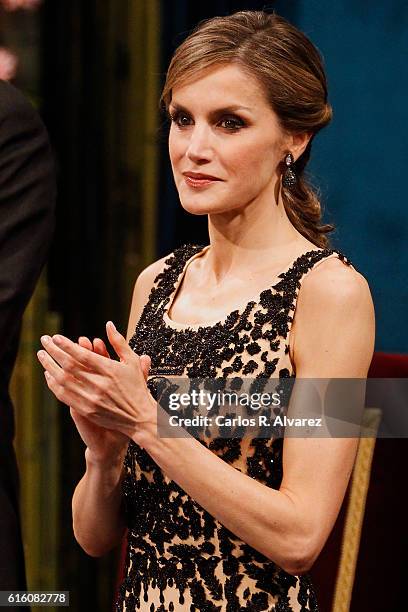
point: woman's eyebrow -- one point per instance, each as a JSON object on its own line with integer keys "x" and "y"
{"x": 226, "y": 109}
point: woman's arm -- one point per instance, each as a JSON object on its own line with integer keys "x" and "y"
{"x": 334, "y": 339}
{"x": 97, "y": 510}
{"x": 97, "y": 513}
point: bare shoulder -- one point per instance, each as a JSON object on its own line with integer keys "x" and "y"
{"x": 334, "y": 280}
{"x": 148, "y": 275}
{"x": 141, "y": 291}
{"x": 334, "y": 323}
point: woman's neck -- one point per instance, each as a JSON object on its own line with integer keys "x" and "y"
{"x": 252, "y": 237}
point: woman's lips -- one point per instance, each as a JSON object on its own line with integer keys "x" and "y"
{"x": 199, "y": 182}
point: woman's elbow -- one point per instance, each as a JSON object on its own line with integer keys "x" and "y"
{"x": 299, "y": 556}
{"x": 91, "y": 549}
{"x": 97, "y": 548}
{"x": 298, "y": 565}
{"x": 92, "y": 552}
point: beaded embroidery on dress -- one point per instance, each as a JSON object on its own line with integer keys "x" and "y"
{"x": 179, "y": 557}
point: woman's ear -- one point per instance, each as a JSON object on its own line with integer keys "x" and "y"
{"x": 299, "y": 143}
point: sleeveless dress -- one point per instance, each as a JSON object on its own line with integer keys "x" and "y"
{"x": 179, "y": 557}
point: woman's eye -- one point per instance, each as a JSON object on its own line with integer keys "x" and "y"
{"x": 180, "y": 119}
{"x": 229, "y": 123}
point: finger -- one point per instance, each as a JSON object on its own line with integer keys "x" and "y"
{"x": 48, "y": 363}
{"x": 119, "y": 343}
{"x": 145, "y": 363}
{"x": 64, "y": 379}
{"x": 87, "y": 359}
{"x": 65, "y": 361}
{"x": 100, "y": 347}
{"x": 66, "y": 395}
{"x": 85, "y": 342}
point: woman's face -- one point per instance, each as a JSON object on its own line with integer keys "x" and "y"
{"x": 223, "y": 126}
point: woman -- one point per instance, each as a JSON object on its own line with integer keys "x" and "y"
{"x": 231, "y": 525}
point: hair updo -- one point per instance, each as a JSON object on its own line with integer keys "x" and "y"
{"x": 290, "y": 69}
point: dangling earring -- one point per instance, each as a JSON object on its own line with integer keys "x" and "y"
{"x": 289, "y": 177}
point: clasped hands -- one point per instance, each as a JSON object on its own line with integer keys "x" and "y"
{"x": 110, "y": 394}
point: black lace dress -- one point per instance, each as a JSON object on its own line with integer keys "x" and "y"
{"x": 179, "y": 557}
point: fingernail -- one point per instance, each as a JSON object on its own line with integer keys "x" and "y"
{"x": 45, "y": 339}
{"x": 112, "y": 325}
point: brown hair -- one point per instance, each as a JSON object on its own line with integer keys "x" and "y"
{"x": 290, "y": 69}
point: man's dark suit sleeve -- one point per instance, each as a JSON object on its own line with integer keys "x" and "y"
{"x": 27, "y": 201}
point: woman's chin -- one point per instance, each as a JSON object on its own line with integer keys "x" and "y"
{"x": 200, "y": 208}
{"x": 209, "y": 208}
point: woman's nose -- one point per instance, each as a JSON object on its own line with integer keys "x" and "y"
{"x": 199, "y": 146}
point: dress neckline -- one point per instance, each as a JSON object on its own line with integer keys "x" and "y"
{"x": 194, "y": 326}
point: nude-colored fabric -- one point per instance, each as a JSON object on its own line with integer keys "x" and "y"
{"x": 175, "y": 547}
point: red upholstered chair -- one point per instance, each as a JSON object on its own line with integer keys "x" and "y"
{"x": 361, "y": 566}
